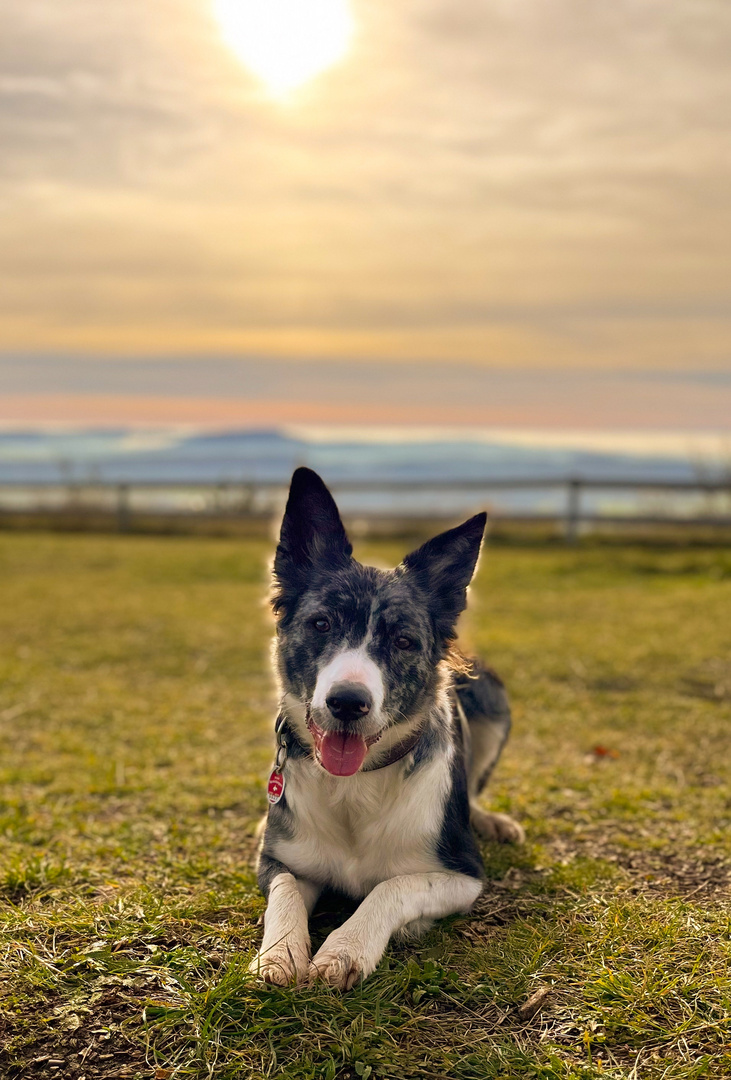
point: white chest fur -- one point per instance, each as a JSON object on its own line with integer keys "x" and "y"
{"x": 353, "y": 832}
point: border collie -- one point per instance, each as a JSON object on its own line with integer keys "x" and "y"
{"x": 385, "y": 738}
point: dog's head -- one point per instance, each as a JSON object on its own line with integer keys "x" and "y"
{"x": 361, "y": 649}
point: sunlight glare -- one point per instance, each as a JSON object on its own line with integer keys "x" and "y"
{"x": 286, "y": 42}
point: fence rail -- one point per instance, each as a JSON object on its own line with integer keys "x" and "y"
{"x": 255, "y": 498}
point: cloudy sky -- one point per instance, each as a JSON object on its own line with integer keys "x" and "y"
{"x": 520, "y": 183}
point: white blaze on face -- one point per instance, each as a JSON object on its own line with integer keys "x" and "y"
{"x": 353, "y": 666}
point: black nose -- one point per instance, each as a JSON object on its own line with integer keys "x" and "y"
{"x": 349, "y": 702}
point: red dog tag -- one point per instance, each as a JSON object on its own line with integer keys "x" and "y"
{"x": 275, "y": 787}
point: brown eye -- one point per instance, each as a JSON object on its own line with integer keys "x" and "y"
{"x": 403, "y": 642}
{"x": 321, "y": 625}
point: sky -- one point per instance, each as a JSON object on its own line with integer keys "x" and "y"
{"x": 499, "y": 183}
{"x": 232, "y": 393}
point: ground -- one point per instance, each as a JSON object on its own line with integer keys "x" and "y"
{"x": 135, "y": 727}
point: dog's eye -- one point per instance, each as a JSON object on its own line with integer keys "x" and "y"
{"x": 322, "y": 625}
{"x": 403, "y": 642}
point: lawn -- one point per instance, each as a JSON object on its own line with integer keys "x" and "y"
{"x": 135, "y": 730}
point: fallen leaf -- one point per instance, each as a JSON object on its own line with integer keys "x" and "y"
{"x": 604, "y": 752}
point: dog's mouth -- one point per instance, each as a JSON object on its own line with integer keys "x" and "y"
{"x": 341, "y": 753}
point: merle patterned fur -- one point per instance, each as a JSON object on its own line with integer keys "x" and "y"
{"x": 315, "y": 574}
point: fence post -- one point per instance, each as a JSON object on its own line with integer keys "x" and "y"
{"x": 122, "y": 507}
{"x": 573, "y": 510}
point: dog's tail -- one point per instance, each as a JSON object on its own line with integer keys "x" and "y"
{"x": 486, "y": 709}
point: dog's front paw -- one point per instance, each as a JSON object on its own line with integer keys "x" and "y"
{"x": 497, "y": 827}
{"x": 341, "y": 963}
{"x": 281, "y": 966}
{"x": 337, "y": 969}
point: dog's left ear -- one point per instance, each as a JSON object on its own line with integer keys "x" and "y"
{"x": 443, "y": 568}
{"x": 312, "y": 535}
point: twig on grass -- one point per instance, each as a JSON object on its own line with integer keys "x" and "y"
{"x": 535, "y": 1003}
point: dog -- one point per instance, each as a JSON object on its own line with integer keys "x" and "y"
{"x": 385, "y": 738}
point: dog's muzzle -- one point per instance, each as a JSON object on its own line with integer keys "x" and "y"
{"x": 341, "y": 751}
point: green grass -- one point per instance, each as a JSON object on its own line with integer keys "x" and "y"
{"x": 135, "y": 733}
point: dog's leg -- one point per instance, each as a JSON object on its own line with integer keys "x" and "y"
{"x": 284, "y": 956}
{"x": 494, "y": 826}
{"x": 487, "y": 742}
{"x": 487, "y": 712}
{"x": 353, "y": 951}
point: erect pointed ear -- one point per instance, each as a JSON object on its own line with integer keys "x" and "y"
{"x": 312, "y": 533}
{"x": 443, "y": 568}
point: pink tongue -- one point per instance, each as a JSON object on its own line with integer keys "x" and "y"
{"x": 342, "y": 754}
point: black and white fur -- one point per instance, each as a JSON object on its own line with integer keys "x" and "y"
{"x": 397, "y": 838}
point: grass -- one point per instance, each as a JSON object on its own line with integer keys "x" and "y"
{"x": 135, "y": 732}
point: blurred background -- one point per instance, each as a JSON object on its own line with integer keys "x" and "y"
{"x": 449, "y": 254}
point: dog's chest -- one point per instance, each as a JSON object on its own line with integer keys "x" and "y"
{"x": 351, "y": 833}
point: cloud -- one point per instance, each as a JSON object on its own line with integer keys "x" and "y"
{"x": 246, "y": 391}
{"x": 504, "y": 180}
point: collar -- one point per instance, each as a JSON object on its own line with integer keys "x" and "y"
{"x": 400, "y": 750}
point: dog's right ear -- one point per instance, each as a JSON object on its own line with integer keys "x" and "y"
{"x": 312, "y": 533}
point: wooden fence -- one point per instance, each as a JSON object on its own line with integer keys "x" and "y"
{"x": 115, "y": 504}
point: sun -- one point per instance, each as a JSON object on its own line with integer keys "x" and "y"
{"x": 286, "y": 42}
